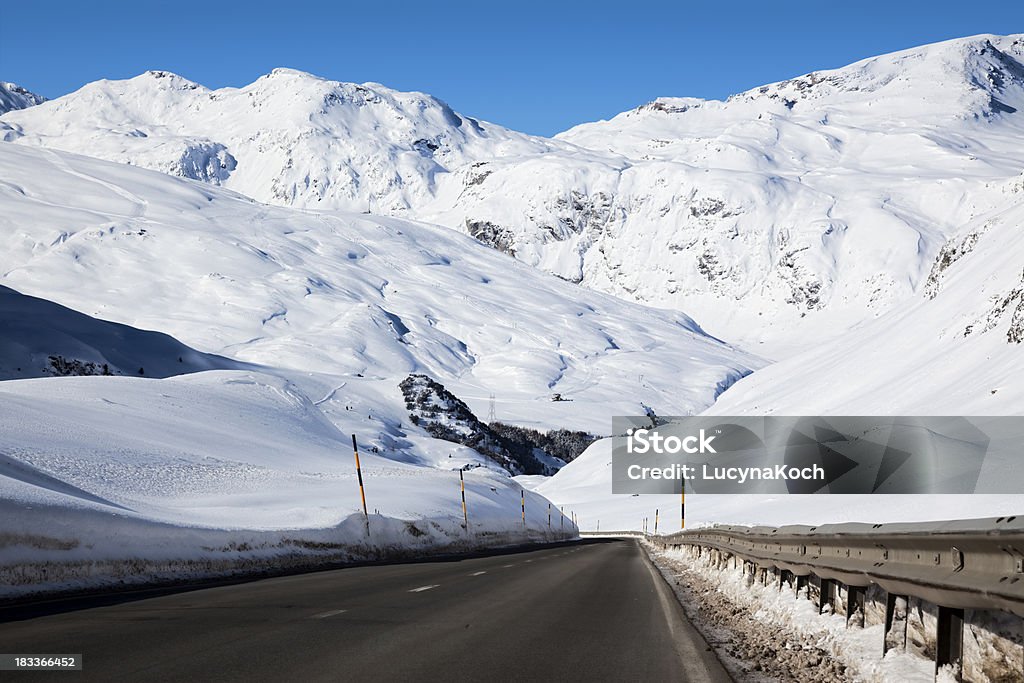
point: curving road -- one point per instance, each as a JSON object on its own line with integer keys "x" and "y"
{"x": 590, "y": 611}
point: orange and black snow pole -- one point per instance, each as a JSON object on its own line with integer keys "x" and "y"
{"x": 522, "y": 494}
{"x": 362, "y": 492}
{"x": 465, "y": 517}
{"x": 682, "y": 506}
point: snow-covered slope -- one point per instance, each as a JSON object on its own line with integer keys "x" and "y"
{"x": 13, "y": 96}
{"x": 39, "y": 338}
{"x": 362, "y": 299}
{"x": 132, "y": 479}
{"x": 782, "y": 215}
{"x": 955, "y": 349}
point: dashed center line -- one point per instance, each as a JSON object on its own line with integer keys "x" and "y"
{"x": 507, "y": 565}
{"x": 477, "y": 573}
{"x": 424, "y": 588}
{"x": 331, "y": 613}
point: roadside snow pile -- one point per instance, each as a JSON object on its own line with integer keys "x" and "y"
{"x": 106, "y": 480}
{"x": 764, "y": 633}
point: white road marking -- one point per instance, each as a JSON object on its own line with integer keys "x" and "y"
{"x": 508, "y": 565}
{"x": 324, "y": 615}
{"x": 424, "y": 588}
{"x": 477, "y": 573}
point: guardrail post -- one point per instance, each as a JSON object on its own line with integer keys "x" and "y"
{"x": 827, "y": 596}
{"x": 801, "y": 582}
{"x": 896, "y": 607}
{"x": 949, "y": 641}
{"x": 855, "y": 606}
{"x": 783, "y": 578}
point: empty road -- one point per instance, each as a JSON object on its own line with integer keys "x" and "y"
{"x": 591, "y": 611}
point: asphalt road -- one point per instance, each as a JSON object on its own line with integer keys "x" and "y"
{"x": 591, "y": 611}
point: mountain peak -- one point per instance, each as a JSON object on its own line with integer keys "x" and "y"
{"x": 286, "y": 72}
{"x": 13, "y": 96}
{"x": 167, "y": 79}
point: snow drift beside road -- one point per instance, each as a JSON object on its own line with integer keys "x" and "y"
{"x": 226, "y": 470}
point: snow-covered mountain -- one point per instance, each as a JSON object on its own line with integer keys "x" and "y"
{"x": 782, "y": 215}
{"x": 365, "y": 300}
{"x": 289, "y": 138}
{"x": 860, "y": 224}
{"x": 954, "y": 348}
{"x": 133, "y": 479}
{"x": 13, "y": 96}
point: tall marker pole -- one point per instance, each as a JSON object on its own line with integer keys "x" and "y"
{"x": 362, "y": 492}
{"x": 561, "y": 521}
{"x": 549, "y": 515}
{"x": 655, "y": 522}
{"x": 682, "y": 506}
{"x": 522, "y": 494}
{"x": 465, "y": 517}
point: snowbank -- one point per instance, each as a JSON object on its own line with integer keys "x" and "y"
{"x": 114, "y": 479}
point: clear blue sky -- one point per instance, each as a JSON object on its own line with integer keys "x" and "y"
{"x": 534, "y": 66}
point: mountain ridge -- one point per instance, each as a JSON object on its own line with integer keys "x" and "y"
{"x": 778, "y": 217}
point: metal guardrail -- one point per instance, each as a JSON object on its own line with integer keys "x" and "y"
{"x": 633, "y": 534}
{"x": 964, "y": 564}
